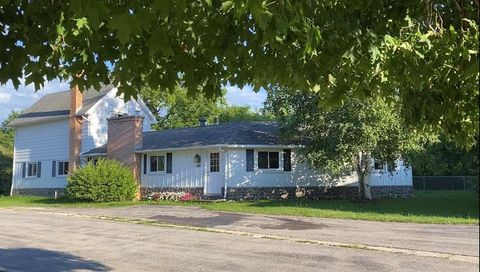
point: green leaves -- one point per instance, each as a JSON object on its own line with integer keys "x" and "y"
{"x": 162, "y": 7}
{"x": 227, "y": 6}
{"x": 333, "y": 137}
{"x": 396, "y": 51}
{"x": 159, "y": 42}
{"x": 125, "y": 25}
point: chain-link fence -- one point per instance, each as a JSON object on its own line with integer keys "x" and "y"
{"x": 453, "y": 183}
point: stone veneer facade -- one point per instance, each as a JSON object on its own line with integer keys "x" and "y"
{"x": 47, "y": 192}
{"x": 278, "y": 193}
{"x": 392, "y": 191}
{"x": 315, "y": 193}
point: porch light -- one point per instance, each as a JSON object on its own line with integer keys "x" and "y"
{"x": 197, "y": 160}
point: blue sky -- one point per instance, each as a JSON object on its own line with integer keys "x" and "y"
{"x": 25, "y": 96}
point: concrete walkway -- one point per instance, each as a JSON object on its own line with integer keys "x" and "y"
{"x": 451, "y": 239}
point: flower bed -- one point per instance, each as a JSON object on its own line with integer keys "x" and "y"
{"x": 172, "y": 196}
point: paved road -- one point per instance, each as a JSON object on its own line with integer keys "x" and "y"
{"x": 39, "y": 241}
{"x": 453, "y": 239}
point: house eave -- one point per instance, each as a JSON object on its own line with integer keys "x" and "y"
{"x": 34, "y": 121}
{"x": 93, "y": 155}
{"x": 253, "y": 146}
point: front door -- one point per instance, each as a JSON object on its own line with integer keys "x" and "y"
{"x": 215, "y": 176}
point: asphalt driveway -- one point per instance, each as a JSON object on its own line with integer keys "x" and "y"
{"x": 61, "y": 241}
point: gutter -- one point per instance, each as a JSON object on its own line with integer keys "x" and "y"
{"x": 217, "y": 146}
{"x": 93, "y": 155}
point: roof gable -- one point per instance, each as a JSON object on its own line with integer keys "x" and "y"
{"x": 56, "y": 106}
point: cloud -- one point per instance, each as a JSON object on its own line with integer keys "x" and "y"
{"x": 245, "y": 96}
{"x": 5, "y": 97}
{"x": 25, "y": 96}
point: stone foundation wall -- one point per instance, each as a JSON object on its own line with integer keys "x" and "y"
{"x": 254, "y": 193}
{"x": 195, "y": 191}
{"x": 48, "y": 192}
{"x": 315, "y": 193}
{"x": 392, "y": 191}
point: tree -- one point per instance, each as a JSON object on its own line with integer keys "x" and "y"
{"x": 444, "y": 158}
{"x": 423, "y": 54}
{"x": 243, "y": 113}
{"x": 6, "y": 153}
{"x": 179, "y": 108}
{"x": 342, "y": 139}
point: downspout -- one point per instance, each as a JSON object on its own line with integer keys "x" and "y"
{"x": 227, "y": 173}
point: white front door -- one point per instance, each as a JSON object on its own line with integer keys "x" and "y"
{"x": 215, "y": 176}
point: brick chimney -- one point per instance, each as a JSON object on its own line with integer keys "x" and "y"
{"x": 75, "y": 127}
{"x": 125, "y": 134}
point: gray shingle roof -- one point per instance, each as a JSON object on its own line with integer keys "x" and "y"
{"x": 234, "y": 133}
{"x": 97, "y": 150}
{"x": 56, "y": 106}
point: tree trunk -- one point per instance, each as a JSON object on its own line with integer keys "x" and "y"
{"x": 363, "y": 171}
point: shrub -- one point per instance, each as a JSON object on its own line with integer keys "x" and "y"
{"x": 105, "y": 181}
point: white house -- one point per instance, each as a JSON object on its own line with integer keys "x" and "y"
{"x": 238, "y": 160}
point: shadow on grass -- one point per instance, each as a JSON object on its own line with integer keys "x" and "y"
{"x": 35, "y": 259}
{"x": 442, "y": 204}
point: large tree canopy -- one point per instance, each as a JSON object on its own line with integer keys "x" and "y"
{"x": 179, "y": 108}
{"x": 422, "y": 52}
{"x": 345, "y": 138}
{"x": 443, "y": 158}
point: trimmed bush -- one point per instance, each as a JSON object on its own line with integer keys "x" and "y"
{"x": 105, "y": 181}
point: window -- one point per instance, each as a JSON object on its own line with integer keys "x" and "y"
{"x": 32, "y": 169}
{"x": 250, "y": 163}
{"x": 157, "y": 163}
{"x": 63, "y": 168}
{"x": 287, "y": 160}
{"x": 378, "y": 165}
{"x": 215, "y": 162}
{"x": 268, "y": 160}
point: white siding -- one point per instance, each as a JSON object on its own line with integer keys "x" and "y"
{"x": 237, "y": 175}
{"x": 184, "y": 172}
{"x": 94, "y": 129}
{"x": 401, "y": 176}
{"x": 301, "y": 175}
{"x": 43, "y": 143}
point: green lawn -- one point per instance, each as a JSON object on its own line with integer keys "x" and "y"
{"x": 446, "y": 207}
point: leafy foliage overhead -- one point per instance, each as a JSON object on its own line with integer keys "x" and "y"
{"x": 424, "y": 52}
